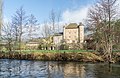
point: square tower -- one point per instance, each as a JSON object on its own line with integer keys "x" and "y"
{"x": 73, "y": 33}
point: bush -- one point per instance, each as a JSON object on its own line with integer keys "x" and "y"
{"x": 64, "y": 47}
{"x": 3, "y": 48}
{"x": 116, "y": 47}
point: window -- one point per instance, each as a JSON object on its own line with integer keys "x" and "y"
{"x": 74, "y": 36}
{"x": 73, "y": 41}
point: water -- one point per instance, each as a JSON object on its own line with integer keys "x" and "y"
{"x": 41, "y": 69}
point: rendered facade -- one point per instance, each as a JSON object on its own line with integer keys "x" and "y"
{"x": 72, "y": 33}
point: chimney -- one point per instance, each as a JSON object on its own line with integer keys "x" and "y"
{"x": 80, "y": 24}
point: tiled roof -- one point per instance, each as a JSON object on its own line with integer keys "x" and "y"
{"x": 33, "y": 43}
{"x": 58, "y": 34}
{"x": 72, "y": 26}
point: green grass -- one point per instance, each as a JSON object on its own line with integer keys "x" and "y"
{"x": 116, "y": 50}
{"x": 56, "y": 51}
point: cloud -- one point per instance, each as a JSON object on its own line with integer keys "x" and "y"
{"x": 118, "y": 2}
{"x": 79, "y": 14}
{"x": 76, "y": 15}
{"x": 6, "y": 20}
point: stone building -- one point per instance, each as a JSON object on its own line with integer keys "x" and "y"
{"x": 57, "y": 38}
{"x": 72, "y": 37}
{"x": 73, "y": 34}
{"x": 32, "y": 45}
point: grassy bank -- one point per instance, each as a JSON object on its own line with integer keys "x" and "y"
{"x": 56, "y": 51}
{"x": 58, "y": 55}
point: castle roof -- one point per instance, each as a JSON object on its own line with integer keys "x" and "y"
{"x": 58, "y": 34}
{"x": 72, "y": 26}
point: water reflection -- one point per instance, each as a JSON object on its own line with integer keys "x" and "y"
{"x": 41, "y": 69}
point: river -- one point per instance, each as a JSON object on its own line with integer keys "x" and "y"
{"x": 48, "y": 69}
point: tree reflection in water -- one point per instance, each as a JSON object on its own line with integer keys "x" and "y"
{"x": 44, "y": 69}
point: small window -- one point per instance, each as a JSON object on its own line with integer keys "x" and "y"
{"x": 73, "y": 41}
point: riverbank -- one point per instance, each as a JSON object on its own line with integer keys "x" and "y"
{"x": 59, "y": 56}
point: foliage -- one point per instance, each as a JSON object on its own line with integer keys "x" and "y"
{"x": 76, "y": 46}
{"x": 64, "y": 47}
{"x": 41, "y": 46}
{"x": 116, "y": 47}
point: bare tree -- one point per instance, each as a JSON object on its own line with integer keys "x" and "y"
{"x": 32, "y": 26}
{"x": 8, "y": 36}
{"x": 58, "y": 21}
{"x": 19, "y": 21}
{"x": 100, "y": 20}
{"x": 1, "y": 18}
{"x": 52, "y": 21}
{"x": 1, "y": 13}
{"x": 117, "y": 35}
{"x": 46, "y": 29}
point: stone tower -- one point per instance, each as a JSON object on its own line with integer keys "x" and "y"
{"x": 73, "y": 33}
{"x": 81, "y": 32}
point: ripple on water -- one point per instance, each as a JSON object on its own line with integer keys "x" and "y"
{"x": 41, "y": 69}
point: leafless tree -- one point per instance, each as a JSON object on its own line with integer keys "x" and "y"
{"x": 58, "y": 21}
{"x": 1, "y": 15}
{"x": 52, "y": 21}
{"x": 19, "y": 22}
{"x": 46, "y": 29}
{"x": 8, "y": 36}
{"x": 117, "y": 35}
{"x": 100, "y": 22}
{"x": 1, "y": 18}
{"x": 32, "y": 26}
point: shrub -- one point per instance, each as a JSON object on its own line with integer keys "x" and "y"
{"x": 64, "y": 47}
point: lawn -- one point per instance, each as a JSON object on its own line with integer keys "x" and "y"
{"x": 55, "y": 51}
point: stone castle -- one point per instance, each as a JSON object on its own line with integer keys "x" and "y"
{"x": 72, "y": 33}
{"x": 72, "y": 36}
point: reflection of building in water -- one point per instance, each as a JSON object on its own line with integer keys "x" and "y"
{"x": 72, "y": 70}
{"x": 82, "y": 71}
{"x": 56, "y": 70}
{"x": 69, "y": 70}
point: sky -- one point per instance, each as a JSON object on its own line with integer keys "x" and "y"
{"x": 70, "y": 10}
